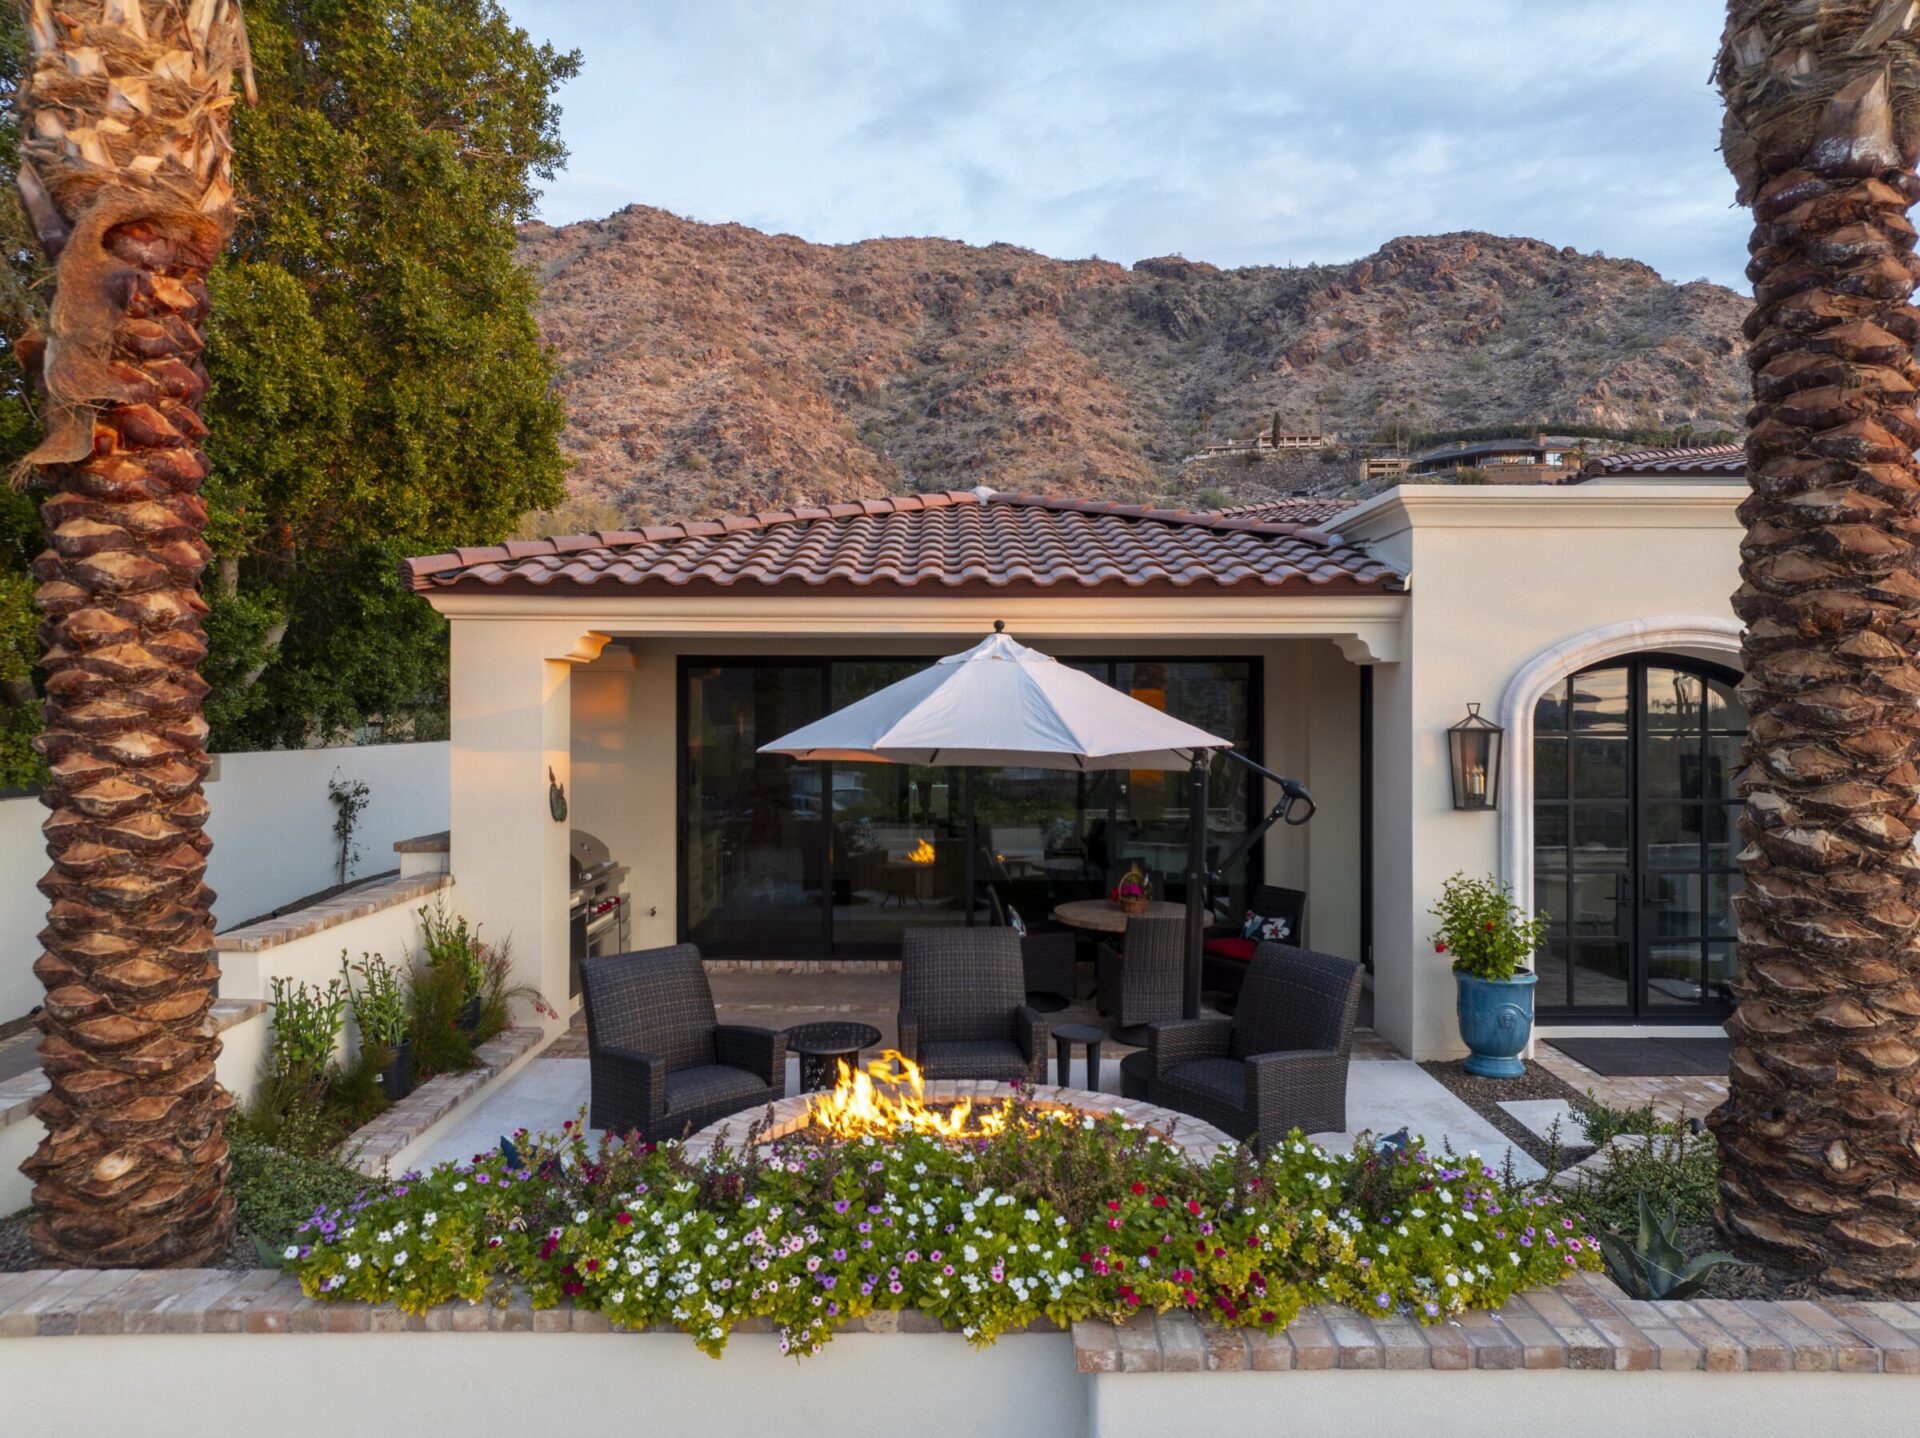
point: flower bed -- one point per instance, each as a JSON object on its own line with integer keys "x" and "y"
{"x": 1058, "y": 1217}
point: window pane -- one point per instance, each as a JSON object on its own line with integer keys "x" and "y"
{"x": 1551, "y": 964}
{"x": 1675, "y": 900}
{"x": 1600, "y": 975}
{"x": 1673, "y": 836}
{"x": 1721, "y": 971}
{"x": 1723, "y": 835}
{"x": 1724, "y": 709}
{"x": 1600, "y": 768}
{"x": 1720, "y": 891}
{"x": 756, "y": 846}
{"x": 1673, "y": 765}
{"x": 1723, "y": 764}
{"x": 1600, "y": 702}
{"x": 1673, "y": 973}
{"x": 1674, "y": 701}
{"x": 1596, "y": 907}
{"x": 1550, "y": 766}
{"x": 1600, "y": 836}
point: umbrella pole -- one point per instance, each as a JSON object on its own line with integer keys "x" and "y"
{"x": 1196, "y": 880}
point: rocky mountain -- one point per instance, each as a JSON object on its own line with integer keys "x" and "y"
{"x": 713, "y": 367}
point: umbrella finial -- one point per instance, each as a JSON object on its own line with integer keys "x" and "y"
{"x": 999, "y": 626}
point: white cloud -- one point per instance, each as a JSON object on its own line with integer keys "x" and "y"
{"x": 1238, "y": 132}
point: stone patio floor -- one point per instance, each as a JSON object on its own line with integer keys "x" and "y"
{"x": 1385, "y": 1092}
{"x": 1674, "y": 1095}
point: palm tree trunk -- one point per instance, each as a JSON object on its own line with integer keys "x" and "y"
{"x": 124, "y": 172}
{"x": 1819, "y": 1140}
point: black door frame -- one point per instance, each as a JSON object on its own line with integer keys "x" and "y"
{"x": 1638, "y": 929}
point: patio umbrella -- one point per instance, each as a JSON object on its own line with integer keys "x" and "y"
{"x": 1001, "y": 704}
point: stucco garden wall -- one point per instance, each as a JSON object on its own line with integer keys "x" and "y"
{"x": 1500, "y": 573}
{"x": 272, "y": 828}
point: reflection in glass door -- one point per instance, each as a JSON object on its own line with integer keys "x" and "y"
{"x": 1634, "y": 812}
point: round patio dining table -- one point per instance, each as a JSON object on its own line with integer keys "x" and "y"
{"x": 1097, "y": 916}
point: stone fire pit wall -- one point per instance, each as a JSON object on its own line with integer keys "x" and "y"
{"x": 1199, "y": 1141}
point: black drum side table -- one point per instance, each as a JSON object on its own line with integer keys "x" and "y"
{"x": 821, "y": 1047}
{"x": 1065, "y": 1037}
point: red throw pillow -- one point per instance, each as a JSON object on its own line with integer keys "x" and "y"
{"x": 1241, "y": 949}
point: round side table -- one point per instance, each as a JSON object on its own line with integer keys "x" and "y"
{"x": 821, "y": 1047}
{"x": 1065, "y": 1037}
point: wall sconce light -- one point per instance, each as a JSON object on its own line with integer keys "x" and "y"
{"x": 1473, "y": 754}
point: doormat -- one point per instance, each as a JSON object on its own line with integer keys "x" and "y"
{"x": 1648, "y": 1058}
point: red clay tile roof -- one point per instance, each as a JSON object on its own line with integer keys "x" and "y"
{"x": 1709, "y": 459}
{"x": 954, "y": 541}
{"x": 1300, "y": 509}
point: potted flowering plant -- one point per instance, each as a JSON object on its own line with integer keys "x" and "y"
{"x": 1491, "y": 942}
{"x": 1133, "y": 893}
{"x": 380, "y": 1010}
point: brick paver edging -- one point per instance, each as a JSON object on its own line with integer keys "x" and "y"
{"x": 370, "y": 1147}
{"x": 355, "y": 903}
{"x": 1586, "y": 1323}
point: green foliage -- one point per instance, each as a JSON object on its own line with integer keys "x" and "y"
{"x": 1485, "y": 932}
{"x": 379, "y": 388}
{"x": 379, "y": 999}
{"x": 1679, "y": 1169}
{"x": 436, "y": 993}
{"x": 450, "y": 941}
{"x": 276, "y": 1191}
{"x": 1600, "y": 1121}
{"x": 350, "y": 799}
{"x": 306, "y": 1023}
{"x": 1651, "y": 1264}
{"x": 1057, "y": 1217}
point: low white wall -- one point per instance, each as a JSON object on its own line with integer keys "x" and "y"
{"x": 511, "y": 1384}
{"x": 272, "y": 828}
{"x": 1560, "y": 1402}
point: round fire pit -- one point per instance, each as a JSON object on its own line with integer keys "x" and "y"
{"x": 1199, "y": 1141}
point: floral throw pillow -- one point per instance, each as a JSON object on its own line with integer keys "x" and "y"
{"x": 1263, "y": 930}
{"x": 1015, "y": 922}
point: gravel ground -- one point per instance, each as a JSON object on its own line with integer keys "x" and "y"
{"x": 16, "y": 1251}
{"x": 1484, "y": 1096}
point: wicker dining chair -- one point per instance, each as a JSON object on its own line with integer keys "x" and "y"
{"x": 963, "y": 1008}
{"x": 1049, "y": 956}
{"x": 1279, "y": 1063}
{"x": 1145, "y": 982}
{"x": 1226, "y": 955}
{"x": 660, "y": 1063}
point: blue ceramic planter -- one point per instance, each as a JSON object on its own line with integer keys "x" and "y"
{"x": 1496, "y": 1015}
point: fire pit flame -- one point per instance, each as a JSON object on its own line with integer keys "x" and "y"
{"x": 888, "y": 1095}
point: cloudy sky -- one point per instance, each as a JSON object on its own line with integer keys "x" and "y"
{"x": 1236, "y": 131}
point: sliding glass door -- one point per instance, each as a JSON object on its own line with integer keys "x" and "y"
{"x": 791, "y": 860}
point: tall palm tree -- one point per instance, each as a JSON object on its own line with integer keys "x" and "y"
{"x": 124, "y": 170}
{"x": 1820, "y": 1136}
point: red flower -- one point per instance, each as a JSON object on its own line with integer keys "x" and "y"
{"x": 1153, "y": 1250}
{"x": 573, "y": 1288}
{"x": 1253, "y": 1240}
{"x": 1489, "y": 925}
{"x": 623, "y": 1219}
{"x": 593, "y": 1265}
{"x": 1086, "y": 1258}
{"x": 1189, "y": 1297}
{"x": 1114, "y": 1204}
{"x": 1133, "y": 1300}
{"x": 1159, "y": 1200}
{"x": 1267, "y": 1315}
{"x": 1439, "y": 948}
{"x": 1200, "y": 1247}
{"x": 1193, "y": 1207}
{"x": 1138, "y": 1189}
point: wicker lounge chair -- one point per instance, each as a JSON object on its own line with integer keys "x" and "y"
{"x": 1224, "y": 960}
{"x": 1279, "y": 1063}
{"x": 1144, "y": 983}
{"x": 963, "y": 1009}
{"x": 661, "y": 1064}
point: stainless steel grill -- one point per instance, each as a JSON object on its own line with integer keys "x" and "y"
{"x": 599, "y": 915}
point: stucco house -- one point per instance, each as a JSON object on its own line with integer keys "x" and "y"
{"x": 633, "y": 675}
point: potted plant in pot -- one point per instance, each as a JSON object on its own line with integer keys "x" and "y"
{"x": 1492, "y": 943}
{"x": 453, "y": 943}
{"x": 380, "y": 1010}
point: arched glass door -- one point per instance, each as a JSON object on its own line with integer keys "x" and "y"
{"x": 1634, "y": 812}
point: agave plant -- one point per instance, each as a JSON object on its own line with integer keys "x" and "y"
{"x": 1652, "y": 1265}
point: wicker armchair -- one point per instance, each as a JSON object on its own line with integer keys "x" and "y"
{"x": 660, "y": 1064}
{"x": 1224, "y": 960}
{"x": 1049, "y": 956}
{"x": 963, "y": 1009}
{"x": 1279, "y": 1063}
{"x": 1146, "y": 982}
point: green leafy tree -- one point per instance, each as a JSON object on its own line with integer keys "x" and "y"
{"x": 379, "y": 387}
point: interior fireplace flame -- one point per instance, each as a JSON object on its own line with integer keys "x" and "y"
{"x": 888, "y": 1096}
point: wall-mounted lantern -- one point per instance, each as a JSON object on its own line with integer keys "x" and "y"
{"x": 1473, "y": 754}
